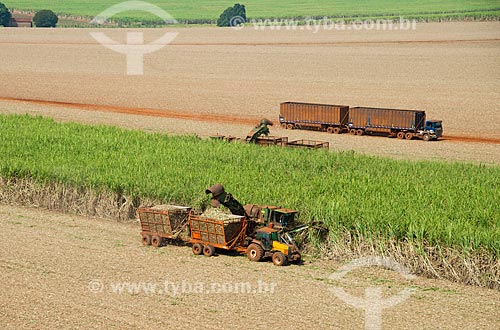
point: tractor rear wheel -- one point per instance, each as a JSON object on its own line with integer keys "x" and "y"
{"x": 208, "y": 250}
{"x": 156, "y": 241}
{"x": 279, "y": 259}
{"x": 146, "y": 239}
{"x": 197, "y": 248}
{"x": 255, "y": 252}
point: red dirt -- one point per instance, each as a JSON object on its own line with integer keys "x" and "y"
{"x": 139, "y": 111}
{"x": 196, "y": 116}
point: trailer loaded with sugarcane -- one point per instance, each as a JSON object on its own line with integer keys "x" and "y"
{"x": 260, "y": 232}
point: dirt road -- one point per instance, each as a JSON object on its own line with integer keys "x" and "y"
{"x": 62, "y": 271}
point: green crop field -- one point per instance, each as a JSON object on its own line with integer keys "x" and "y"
{"x": 211, "y": 9}
{"x": 446, "y": 204}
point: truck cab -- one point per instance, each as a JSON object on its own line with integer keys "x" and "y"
{"x": 434, "y": 126}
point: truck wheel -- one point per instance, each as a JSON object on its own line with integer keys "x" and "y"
{"x": 330, "y": 130}
{"x": 360, "y": 132}
{"x": 352, "y": 131}
{"x": 197, "y": 248}
{"x": 283, "y": 125}
{"x": 289, "y": 126}
{"x": 426, "y": 137}
{"x": 409, "y": 136}
{"x": 146, "y": 239}
{"x": 336, "y": 130}
{"x": 279, "y": 259}
{"x": 156, "y": 241}
{"x": 255, "y": 252}
{"x": 400, "y": 135}
{"x": 208, "y": 250}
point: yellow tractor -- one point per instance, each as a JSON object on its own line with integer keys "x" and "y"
{"x": 269, "y": 243}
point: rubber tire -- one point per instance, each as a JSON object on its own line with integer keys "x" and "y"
{"x": 255, "y": 252}
{"x": 208, "y": 250}
{"x": 352, "y": 131}
{"x": 409, "y": 136}
{"x": 156, "y": 241}
{"x": 197, "y": 248}
{"x": 146, "y": 239}
{"x": 426, "y": 137}
{"x": 330, "y": 130}
{"x": 289, "y": 126}
{"x": 336, "y": 130}
{"x": 400, "y": 135}
{"x": 279, "y": 259}
{"x": 360, "y": 132}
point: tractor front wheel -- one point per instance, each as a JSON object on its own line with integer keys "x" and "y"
{"x": 279, "y": 259}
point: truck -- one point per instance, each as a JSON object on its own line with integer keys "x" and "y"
{"x": 403, "y": 124}
{"x": 400, "y": 123}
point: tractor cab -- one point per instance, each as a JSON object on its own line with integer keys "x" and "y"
{"x": 435, "y": 126}
{"x": 267, "y": 236}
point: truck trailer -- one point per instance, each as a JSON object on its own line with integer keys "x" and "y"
{"x": 324, "y": 117}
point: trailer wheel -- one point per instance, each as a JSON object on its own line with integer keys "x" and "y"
{"x": 197, "y": 248}
{"x": 427, "y": 137}
{"x": 255, "y": 252}
{"x": 360, "y": 132}
{"x": 352, "y": 131}
{"x": 336, "y": 130}
{"x": 400, "y": 135}
{"x": 279, "y": 259}
{"x": 156, "y": 241}
{"x": 146, "y": 239}
{"x": 330, "y": 130}
{"x": 208, "y": 250}
{"x": 283, "y": 125}
{"x": 289, "y": 126}
{"x": 409, "y": 136}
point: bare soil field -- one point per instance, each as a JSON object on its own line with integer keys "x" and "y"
{"x": 213, "y": 80}
{"x": 63, "y": 271}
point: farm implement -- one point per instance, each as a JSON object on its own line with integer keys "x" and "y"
{"x": 260, "y": 135}
{"x": 260, "y": 232}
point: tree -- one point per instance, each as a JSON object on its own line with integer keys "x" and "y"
{"x": 5, "y": 15}
{"x": 233, "y": 16}
{"x": 45, "y": 18}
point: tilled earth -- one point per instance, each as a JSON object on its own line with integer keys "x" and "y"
{"x": 65, "y": 271}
